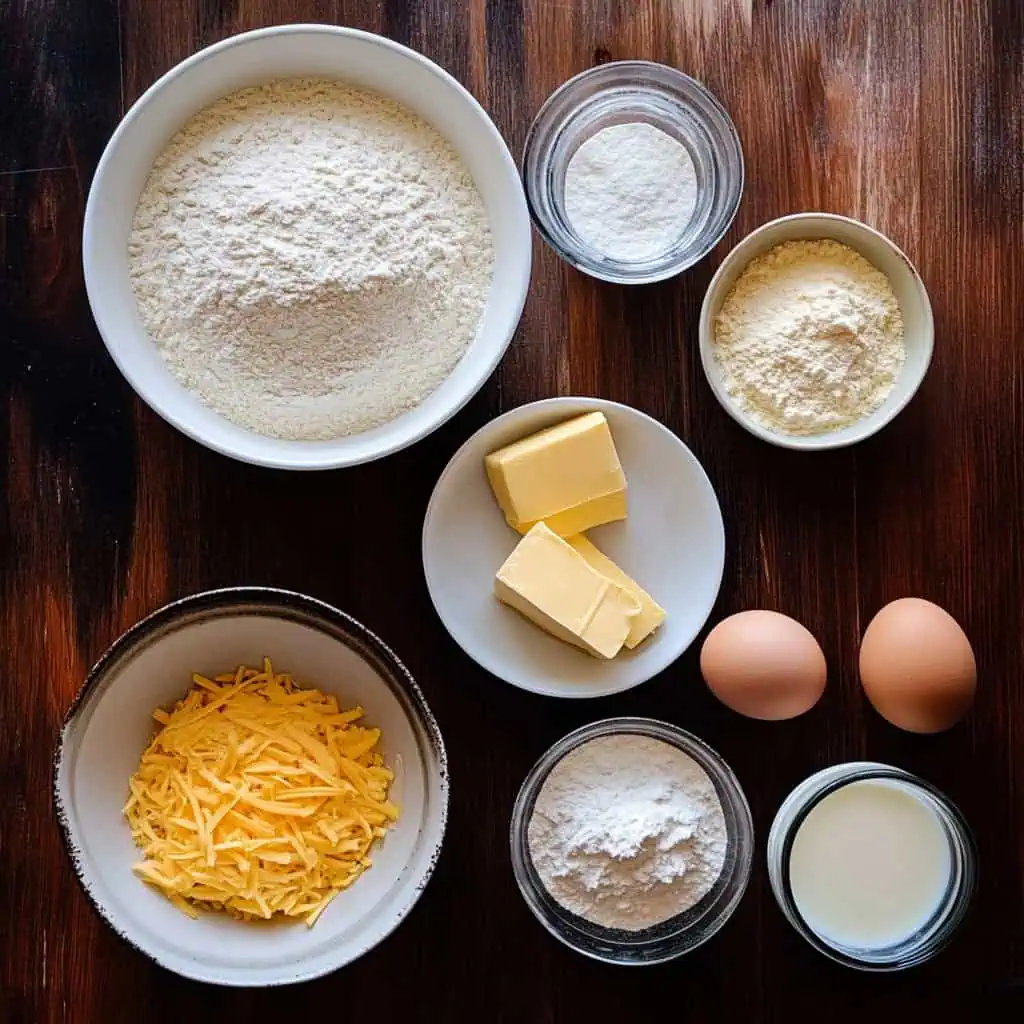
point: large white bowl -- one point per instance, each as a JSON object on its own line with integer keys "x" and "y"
{"x": 672, "y": 544}
{"x": 919, "y": 329}
{"x": 289, "y": 51}
{"x": 110, "y": 724}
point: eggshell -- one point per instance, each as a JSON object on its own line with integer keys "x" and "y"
{"x": 917, "y": 666}
{"x": 763, "y": 665}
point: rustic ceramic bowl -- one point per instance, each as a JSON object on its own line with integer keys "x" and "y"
{"x": 289, "y": 51}
{"x": 919, "y": 330}
{"x": 110, "y": 724}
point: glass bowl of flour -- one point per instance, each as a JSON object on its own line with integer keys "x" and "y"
{"x": 633, "y": 171}
{"x": 632, "y": 841}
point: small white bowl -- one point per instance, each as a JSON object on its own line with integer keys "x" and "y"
{"x": 110, "y": 724}
{"x": 290, "y": 51}
{"x": 919, "y": 329}
{"x": 672, "y": 544}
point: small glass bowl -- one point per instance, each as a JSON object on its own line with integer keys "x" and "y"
{"x": 623, "y": 92}
{"x": 936, "y": 934}
{"x": 677, "y": 935}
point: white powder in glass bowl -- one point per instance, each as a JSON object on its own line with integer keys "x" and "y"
{"x": 627, "y": 832}
{"x": 630, "y": 191}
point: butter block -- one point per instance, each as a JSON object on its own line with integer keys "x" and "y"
{"x": 568, "y": 477}
{"x": 551, "y": 584}
{"x": 651, "y": 616}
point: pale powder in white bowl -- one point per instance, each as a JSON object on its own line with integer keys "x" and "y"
{"x": 915, "y": 307}
{"x": 362, "y": 60}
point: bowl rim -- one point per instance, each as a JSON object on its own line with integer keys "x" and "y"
{"x": 327, "y": 455}
{"x": 830, "y": 440}
{"x": 683, "y": 81}
{"x": 707, "y": 758}
{"x": 574, "y": 404}
{"x": 163, "y": 620}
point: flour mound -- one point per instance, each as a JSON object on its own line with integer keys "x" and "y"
{"x": 311, "y": 260}
{"x": 627, "y": 832}
{"x": 630, "y": 191}
{"x": 810, "y": 339}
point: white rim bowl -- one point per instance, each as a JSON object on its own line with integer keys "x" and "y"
{"x": 364, "y": 60}
{"x": 672, "y": 544}
{"x": 919, "y": 328}
{"x": 110, "y": 724}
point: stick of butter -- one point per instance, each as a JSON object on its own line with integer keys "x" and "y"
{"x": 550, "y": 583}
{"x": 651, "y": 616}
{"x": 568, "y": 476}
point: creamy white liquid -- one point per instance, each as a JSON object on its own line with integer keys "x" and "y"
{"x": 869, "y": 865}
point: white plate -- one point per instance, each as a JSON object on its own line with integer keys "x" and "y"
{"x": 110, "y": 724}
{"x": 672, "y": 544}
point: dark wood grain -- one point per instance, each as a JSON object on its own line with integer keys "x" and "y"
{"x": 907, "y": 114}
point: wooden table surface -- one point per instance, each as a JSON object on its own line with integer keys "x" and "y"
{"x": 907, "y": 114}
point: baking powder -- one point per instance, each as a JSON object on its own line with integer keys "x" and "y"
{"x": 627, "y": 832}
{"x": 311, "y": 260}
{"x": 810, "y": 339}
{"x": 630, "y": 191}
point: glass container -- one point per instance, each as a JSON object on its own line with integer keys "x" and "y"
{"x": 625, "y": 92}
{"x": 951, "y": 907}
{"x": 678, "y": 934}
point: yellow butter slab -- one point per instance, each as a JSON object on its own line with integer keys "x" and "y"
{"x": 568, "y": 476}
{"x": 551, "y": 584}
{"x": 651, "y": 616}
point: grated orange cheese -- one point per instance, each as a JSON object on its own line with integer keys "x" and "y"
{"x": 258, "y": 797}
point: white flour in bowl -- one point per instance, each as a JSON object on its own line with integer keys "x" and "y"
{"x": 312, "y": 260}
{"x": 627, "y": 832}
{"x": 630, "y": 191}
{"x": 810, "y": 338}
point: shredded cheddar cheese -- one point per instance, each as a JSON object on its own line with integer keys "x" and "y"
{"x": 258, "y": 797}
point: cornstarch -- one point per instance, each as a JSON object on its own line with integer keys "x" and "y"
{"x": 810, "y": 339}
{"x": 630, "y": 191}
{"x": 627, "y": 832}
{"x": 311, "y": 260}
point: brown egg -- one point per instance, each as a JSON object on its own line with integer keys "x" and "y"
{"x": 763, "y": 665}
{"x": 917, "y": 667}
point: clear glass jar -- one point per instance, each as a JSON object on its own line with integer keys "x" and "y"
{"x": 936, "y": 932}
{"x": 624, "y": 92}
{"x": 677, "y": 935}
